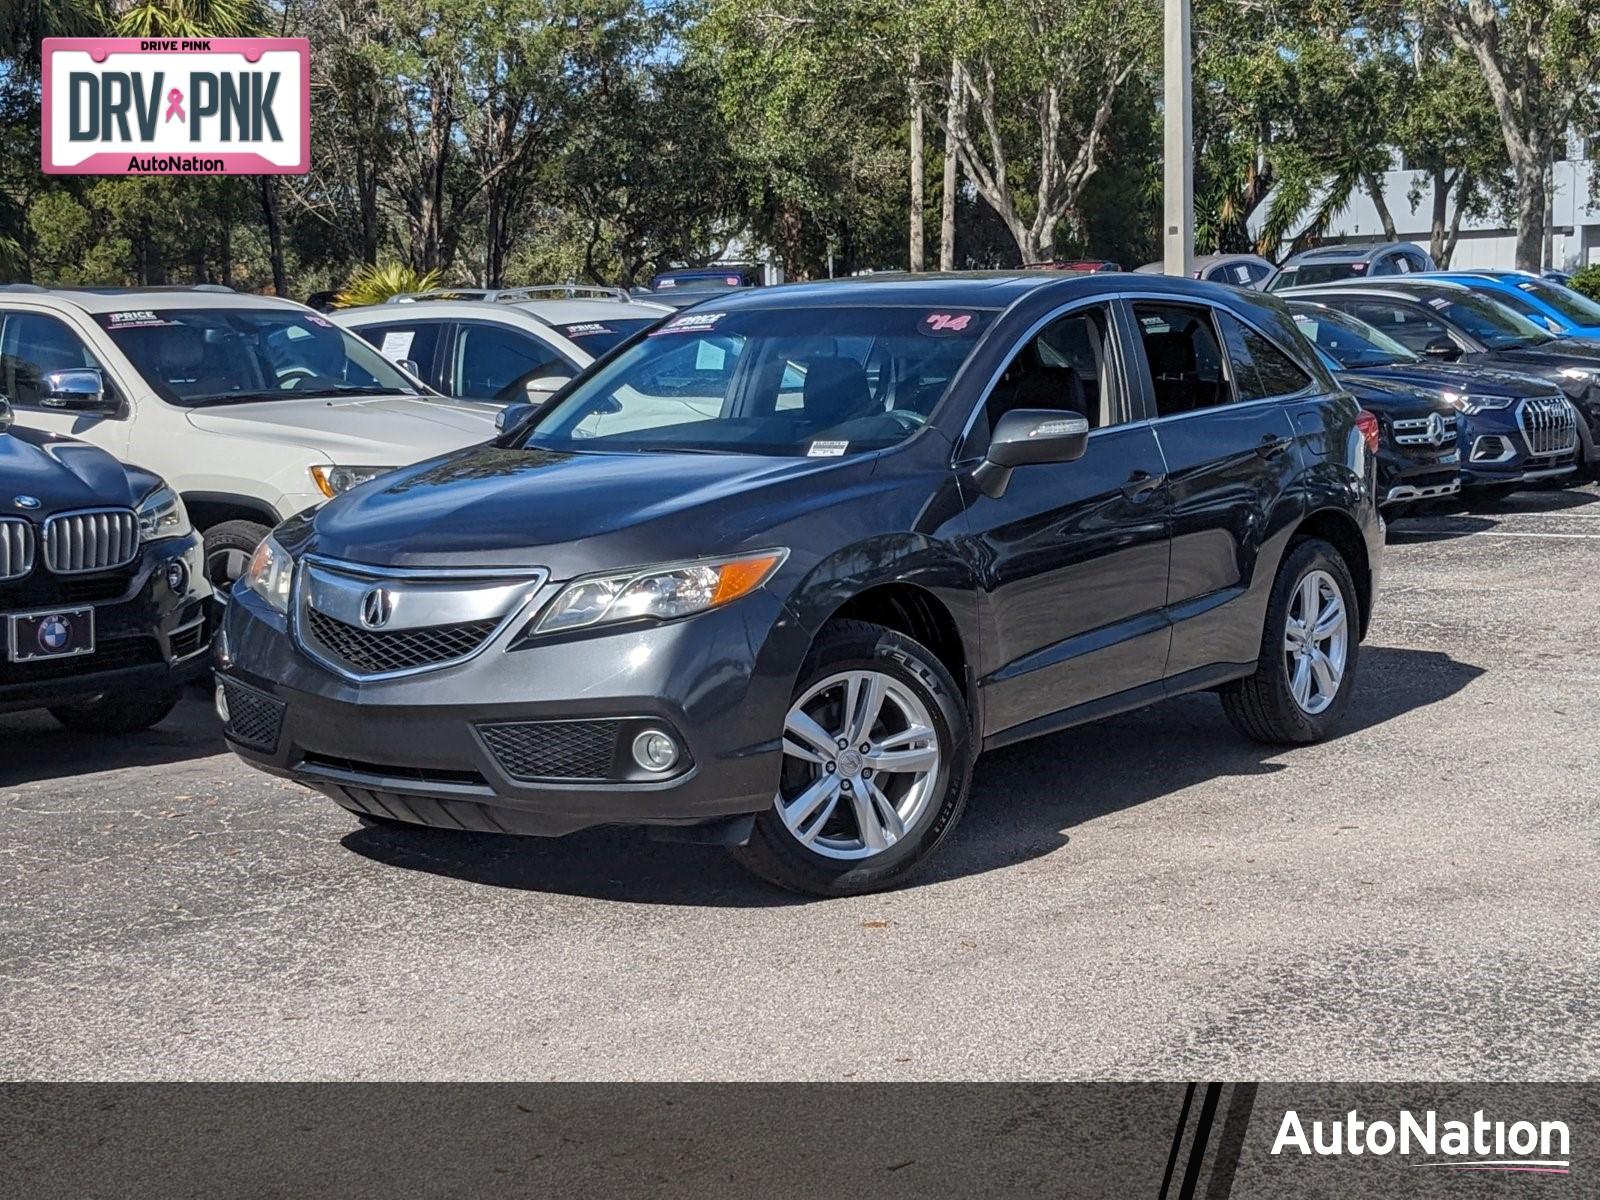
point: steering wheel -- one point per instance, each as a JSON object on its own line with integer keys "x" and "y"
{"x": 290, "y": 377}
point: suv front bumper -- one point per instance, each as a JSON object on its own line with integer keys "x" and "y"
{"x": 533, "y": 740}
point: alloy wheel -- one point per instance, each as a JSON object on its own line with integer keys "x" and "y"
{"x": 1316, "y": 642}
{"x": 861, "y": 761}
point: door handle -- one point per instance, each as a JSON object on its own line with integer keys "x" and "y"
{"x": 1141, "y": 484}
{"x": 1273, "y": 445}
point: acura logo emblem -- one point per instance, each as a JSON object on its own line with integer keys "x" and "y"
{"x": 377, "y": 606}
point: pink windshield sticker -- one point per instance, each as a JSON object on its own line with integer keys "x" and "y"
{"x": 945, "y": 324}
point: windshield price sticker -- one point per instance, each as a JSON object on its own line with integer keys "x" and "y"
{"x": 592, "y": 328}
{"x": 129, "y": 320}
{"x": 945, "y": 324}
{"x": 827, "y": 449}
{"x": 690, "y": 323}
{"x": 176, "y": 106}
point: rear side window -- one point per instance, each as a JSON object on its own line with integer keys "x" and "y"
{"x": 1407, "y": 324}
{"x": 494, "y": 362}
{"x": 1180, "y": 346}
{"x": 1260, "y": 370}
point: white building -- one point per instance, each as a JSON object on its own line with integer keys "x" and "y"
{"x": 1574, "y": 239}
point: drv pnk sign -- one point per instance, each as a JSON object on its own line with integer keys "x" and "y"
{"x": 171, "y": 106}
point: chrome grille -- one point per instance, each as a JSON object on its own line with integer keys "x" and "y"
{"x": 379, "y": 651}
{"x": 16, "y": 548}
{"x": 93, "y": 540}
{"x": 1549, "y": 425}
{"x": 1425, "y": 431}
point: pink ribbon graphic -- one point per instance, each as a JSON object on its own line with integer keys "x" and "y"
{"x": 175, "y": 106}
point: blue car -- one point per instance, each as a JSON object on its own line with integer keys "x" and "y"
{"x": 1543, "y": 301}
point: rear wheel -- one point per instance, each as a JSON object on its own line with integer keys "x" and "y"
{"x": 1302, "y": 682}
{"x": 114, "y": 715}
{"x": 877, "y": 760}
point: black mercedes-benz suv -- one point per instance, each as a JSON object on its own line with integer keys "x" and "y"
{"x": 103, "y": 599}
{"x": 775, "y": 572}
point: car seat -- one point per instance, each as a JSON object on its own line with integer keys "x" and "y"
{"x": 835, "y": 390}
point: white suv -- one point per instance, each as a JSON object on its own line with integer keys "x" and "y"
{"x": 501, "y": 345}
{"x": 253, "y": 408}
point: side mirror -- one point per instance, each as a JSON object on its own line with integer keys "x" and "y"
{"x": 81, "y": 390}
{"x": 513, "y": 415}
{"x": 1443, "y": 349}
{"x": 541, "y": 386}
{"x": 1025, "y": 437}
{"x": 409, "y": 366}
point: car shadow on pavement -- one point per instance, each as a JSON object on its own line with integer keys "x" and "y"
{"x": 34, "y": 749}
{"x": 1025, "y": 800}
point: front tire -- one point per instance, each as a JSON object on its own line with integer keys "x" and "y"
{"x": 228, "y": 548}
{"x": 876, "y": 768}
{"x": 1303, "y": 678}
{"x": 112, "y": 716}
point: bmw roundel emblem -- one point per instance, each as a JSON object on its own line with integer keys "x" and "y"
{"x": 54, "y": 634}
{"x": 26, "y": 501}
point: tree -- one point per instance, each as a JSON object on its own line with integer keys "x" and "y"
{"x": 1040, "y": 81}
{"x": 1538, "y": 59}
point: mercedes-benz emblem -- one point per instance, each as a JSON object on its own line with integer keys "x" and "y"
{"x": 26, "y": 501}
{"x": 1436, "y": 434}
{"x": 377, "y": 606}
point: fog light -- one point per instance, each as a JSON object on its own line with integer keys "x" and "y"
{"x": 655, "y": 751}
{"x": 222, "y": 703}
{"x": 177, "y": 575}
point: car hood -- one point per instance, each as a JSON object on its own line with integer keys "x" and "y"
{"x": 1456, "y": 377}
{"x": 576, "y": 513}
{"x": 358, "y": 430}
{"x": 1393, "y": 397}
{"x": 1554, "y": 354}
{"x": 61, "y": 473}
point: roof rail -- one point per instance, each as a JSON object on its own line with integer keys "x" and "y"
{"x": 561, "y": 291}
{"x": 466, "y": 293}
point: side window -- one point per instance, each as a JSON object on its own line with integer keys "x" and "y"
{"x": 1180, "y": 346}
{"x": 1067, "y": 367}
{"x": 31, "y": 346}
{"x": 1411, "y": 326}
{"x": 1260, "y": 370}
{"x": 417, "y": 342}
{"x": 495, "y": 362}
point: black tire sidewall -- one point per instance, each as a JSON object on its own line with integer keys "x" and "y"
{"x": 1309, "y": 556}
{"x": 851, "y": 646}
{"x": 233, "y": 535}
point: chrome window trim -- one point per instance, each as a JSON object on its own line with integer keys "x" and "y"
{"x": 535, "y": 577}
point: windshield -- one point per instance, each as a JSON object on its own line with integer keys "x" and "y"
{"x": 1574, "y": 306}
{"x": 1352, "y": 343}
{"x": 1316, "y": 273}
{"x": 817, "y": 382}
{"x": 597, "y": 337}
{"x": 1495, "y": 325}
{"x": 204, "y": 356}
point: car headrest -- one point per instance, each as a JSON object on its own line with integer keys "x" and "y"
{"x": 835, "y": 389}
{"x": 179, "y": 352}
{"x": 1170, "y": 354}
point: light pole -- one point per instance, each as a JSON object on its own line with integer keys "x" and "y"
{"x": 1177, "y": 206}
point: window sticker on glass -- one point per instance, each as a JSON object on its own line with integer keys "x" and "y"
{"x": 689, "y": 323}
{"x": 1438, "y": 304}
{"x": 708, "y": 356}
{"x": 945, "y": 324}
{"x": 588, "y": 329}
{"x": 827, "y": 449}
{"x": 128, "y": 320}
{"x": 397, "y": 344}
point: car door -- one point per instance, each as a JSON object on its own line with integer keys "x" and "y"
{"x": 1073, "y": 555}
{"x": 33, "y": 344}
{"x": 494, "y": 362}
{"x": 415, "y": 343}
{"x": 1228, "y": 449}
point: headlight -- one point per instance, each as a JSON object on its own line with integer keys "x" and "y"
{"x": 270, "y": 574}
{"x": 162, "y": 515}
{"x": 333, "y": 481}
{"x": 1478, "y": 404}
{"x": 664, "y": 592}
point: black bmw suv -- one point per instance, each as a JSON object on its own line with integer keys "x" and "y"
{"x": 775, "y": 572}
{"x": 103, "y": 600}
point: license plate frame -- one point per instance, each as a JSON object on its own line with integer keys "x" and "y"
{"x": 22, "y": 626}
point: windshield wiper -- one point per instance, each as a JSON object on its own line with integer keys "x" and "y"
{"x": 349, "y": 389}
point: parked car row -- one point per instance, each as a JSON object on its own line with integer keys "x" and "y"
{"x": 768, "y": 571}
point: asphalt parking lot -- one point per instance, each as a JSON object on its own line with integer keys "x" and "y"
{"x": 1149, "y": 897}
